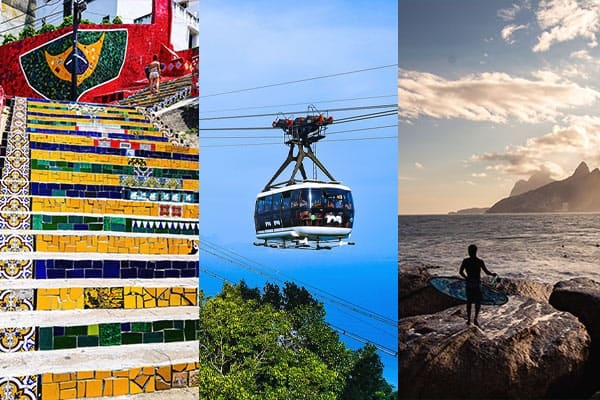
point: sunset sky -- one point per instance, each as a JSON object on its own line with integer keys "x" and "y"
{"x": 491, "y": 92}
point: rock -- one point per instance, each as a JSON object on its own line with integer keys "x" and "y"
{"x": 525, "y": 349}
{"x": 536, "y": 290}
{"x": 580, "y": 297}
{"x": 416, "y": 296}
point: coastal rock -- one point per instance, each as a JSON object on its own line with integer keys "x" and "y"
{"x": 525, "y": 349}
{"x": 416, "y": 296}
{"x": 580, "y": 297}
{"x": 522, "y": 287}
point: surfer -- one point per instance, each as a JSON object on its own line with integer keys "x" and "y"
{"x": 473, "y": 267}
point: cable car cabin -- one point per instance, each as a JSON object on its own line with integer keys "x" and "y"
{"x": 304, "y": 215}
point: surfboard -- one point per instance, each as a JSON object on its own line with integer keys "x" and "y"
{"x": 456, "y": 288}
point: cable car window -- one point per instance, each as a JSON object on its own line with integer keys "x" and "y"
{"x": 287, "y": 200}
{"x": 268, "y": 203}
{"x": 260, "y": 205}
{"x": 276, "y": 202}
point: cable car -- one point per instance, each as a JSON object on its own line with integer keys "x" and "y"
{"x": 303, "y": 213}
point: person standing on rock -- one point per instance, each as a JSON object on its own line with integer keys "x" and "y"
{"x": 470, "y": 269}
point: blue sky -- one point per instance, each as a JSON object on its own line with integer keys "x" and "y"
{"x": 491, "y": 92}
{"x": 252, "y": 44}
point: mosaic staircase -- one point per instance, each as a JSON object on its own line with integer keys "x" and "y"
{"x": 99, "y": 268}
{"x": 171, "y": 92}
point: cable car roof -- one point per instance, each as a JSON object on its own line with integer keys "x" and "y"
{"x": 305, "y": 185}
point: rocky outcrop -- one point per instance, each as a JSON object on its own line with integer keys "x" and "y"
{"x": 580, "y": 297}
{"x": 579, "y": 193}
{"x": 416, "y": 296}
{"x": 525, "y": 349}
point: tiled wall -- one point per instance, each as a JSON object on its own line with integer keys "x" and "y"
{"x": 118, "y": 383}
{"x": 96, "y": 193}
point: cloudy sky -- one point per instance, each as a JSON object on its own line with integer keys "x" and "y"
{"x": 491, "y": 92}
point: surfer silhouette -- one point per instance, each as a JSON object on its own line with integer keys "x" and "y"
{"x": 470, "y": 269}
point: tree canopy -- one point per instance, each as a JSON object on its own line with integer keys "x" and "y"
{"x": 275, "y": 345}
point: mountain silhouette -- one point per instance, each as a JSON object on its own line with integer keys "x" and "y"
{"x": 578, "y": 193}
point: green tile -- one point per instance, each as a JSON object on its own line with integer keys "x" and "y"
{"x": 65, "y": 342}
{"x": 160, "y": 325}
{"x": 153, "y": 337}
{"x": 141, "y": 327}
{"x": 173, "y": 335}
{"x": 45, "y": 338}
{"x": 110, "y": 334}
{"x": 87, "y": 341}
{"x": 190, "y": 330}
{"x": 76, "y": 330}
{"x": 131, "y": 337}
{"x": 37, "y": 222}
{"x": 93, "y": 330}
{"x": 178, "y": 324}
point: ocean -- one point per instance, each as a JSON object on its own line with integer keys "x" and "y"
{"x": 542, "y": 247}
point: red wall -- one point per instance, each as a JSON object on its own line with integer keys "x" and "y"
{"x": 144, "y": 40}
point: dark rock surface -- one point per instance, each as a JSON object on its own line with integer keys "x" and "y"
{"x": 416, "y": 296}
{"x": 525, "y": 349}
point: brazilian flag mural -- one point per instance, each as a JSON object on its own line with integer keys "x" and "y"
{"x": 99, "y": 57}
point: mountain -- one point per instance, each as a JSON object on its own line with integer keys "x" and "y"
{"x": 474, "y": 210}
{"x": 536, "y": 180}
{"x": 578, "y": 193}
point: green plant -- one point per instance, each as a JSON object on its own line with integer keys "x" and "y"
{"x": 46, "y": 28}
{"x": 28, "y": 31}
{"x": 117, "y": 20}
{"x": 9, "y": 38}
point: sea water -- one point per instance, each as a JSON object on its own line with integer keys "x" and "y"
{"x": 542, "y": 247}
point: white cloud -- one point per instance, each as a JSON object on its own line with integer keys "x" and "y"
{"x": 495, "y": 97}
{"x": 578, "y": 139}
{"x": 479, "y": 175}
{"x": 508, "y": 31}
{"x": 564, "y": 20}
{"x": 419, "y": 165}
{"x": 510, "y": 13}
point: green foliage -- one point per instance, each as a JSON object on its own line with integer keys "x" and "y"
{"x": 117, "y": 20}
{"x": 105, "y": 19}
{"x": 67, "y": 21}
{"x": 9, "y": 38}
{"x": 28, "y": 31}
{"x": 46, "y": 28}
{"x": 276, "y": 345}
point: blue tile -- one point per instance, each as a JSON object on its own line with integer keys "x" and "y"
{"x": 93, "y": 273}
{"x": 75, "y": 273}
{"x": 53, "y": 273}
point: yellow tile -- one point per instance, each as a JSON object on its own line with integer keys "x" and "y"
{"x": 67, "y": 385}
{"x": 62, "y": 377}
{"x": 68, "y": 305}
{"x": 85, "y": 375}
{"x": 81, "y": 389}
{"x": 93, "y": 388}
{"x": 121, "y": 386}
{"x": 134, "y": 388}
{"x": 134, "y": 372}
{"x": 124, "y": 373}
{"x": 76, "y": 293}
{"x": 102, "y": 374}
{"x": 130, "y": 301}
{"x": 108, "y": 386}
{"x": 46, "y": 303}
{"x": 47, "y": 378}
{"x": 150, "y": 385}
{"x": 68, "y": 394}
{"x": 50, "y": 390}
